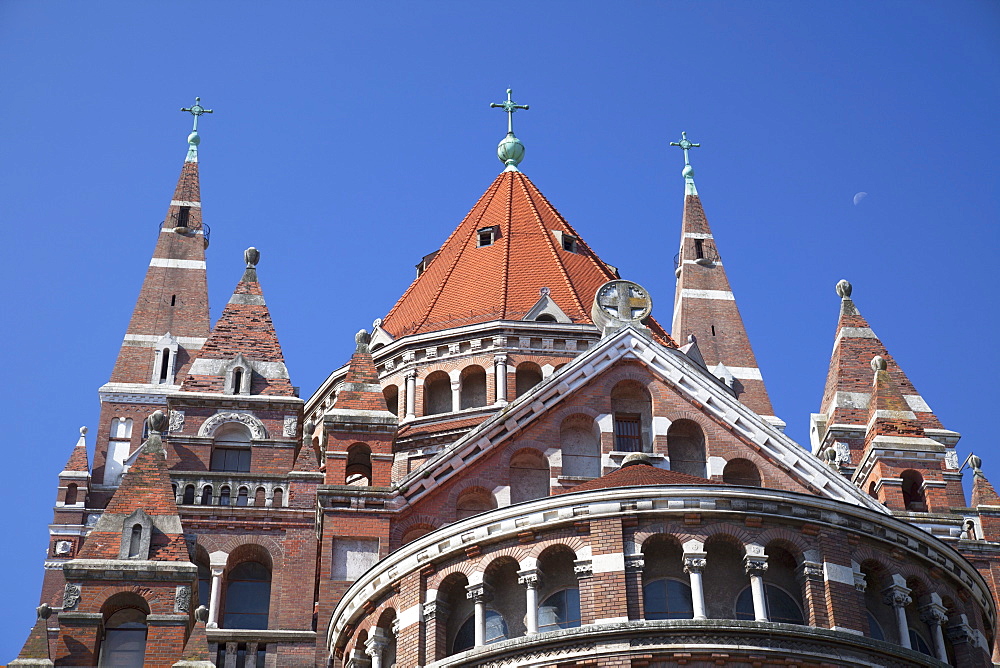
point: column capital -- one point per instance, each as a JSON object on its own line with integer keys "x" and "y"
{"x": 860, "y": 581}
{"x": 217, "y": 571}
{"x": 694, "y": 563}
{"x": 500, "y": 358}
{"x": 436, "y": 609}
{"x": 530, "y": 578}
{"x": 896, "y": 596}
{"x": 933, "y": 614}
{"x": 376, "y": 644}
{"x": 479, "y": 593}
{"x": 634, "y": 562}
{"x": 811, "y": 571}
{"x": 960, "y": 631}
{"x": 583, "y": 568}
{"x": 411, "y": 374}
{"x": 755, "y": 566}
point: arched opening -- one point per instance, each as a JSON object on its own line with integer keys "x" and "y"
{"x": 135, "y": 541}
{"x": 739, "y": 472}
{"x": 920, "y": 634}
{"x": 871, "y": 490}
{"x": 633, "y": 416}
{"x": 415, "y": 532}
{"x": 686, "y": 448}
{"x": 473, "y": 501}
{"x": 458, "y": 637}
{"x": 188, "y": 499}
{"x": 782, "y": 589}
{"x": 913, "y": 491}
{"x": 560, "y": 590}
{"x": 358, "y": 471}
{"x": 391, "y": 394}
{"x": 206, "y": 495}
{"x": 527, "y": 375}
{"x": 546, "y": 317}
{"x": 437, "y": 393}
{"x": 780, "y": 604}
{"x": 383, "y": 630}
{"x": 204, "y": 576}
{"x": 508, "y": 602}
{"x": 529, "y": 476}
{"x": 238, "y": 380}
{"x": 224, "y": 495}
{"x": 473, "y": 387}
{"x": 666, "y": 589}
{"x": 242, "y": 497}
{"x": 231, "y": 449}
{"x": 248, "y": 595}
{"x": 71, "y": 492}
{"x": 724, "y": 576}
{"x": 882, "y": 624}
{"x": 259, "y": 497}
{"x": 164, "y": 365}
{"x": 278, "y": 498}
{"x": 124, "y": 641}
{"x": 580, "y": 440}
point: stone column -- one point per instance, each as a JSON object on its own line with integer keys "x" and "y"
{"x": 756, "y": 566}
{"x": 456, "y": 392}
{"x": 374, "y": 647}
{"x": 480, "y": 594}
{"x": 531, "y": 579}
{"x": 934, "y": 614}
{"x": 411, "y": 395}
{"x": 694, "y": 565}
{"x": 897, "y": 595}
{"x": 213, "y": 603}
{"x": 501, "y": 379}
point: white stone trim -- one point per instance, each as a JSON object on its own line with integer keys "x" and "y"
{"x": 216, "y": 367}
{"x": 837, "y": 573}
{"x": 248, "y": 300}
{"x": 181, "y": 202}
{"x": 154, "y": 338}
{"x": 745, "y": 372}
{"x": 410, "y": 616}
{"x": 691, "y": 293}
{"x": 856, "y": 333}
{"x": 171, "y": 263}
{"x": 608, "y": 563}
{"x": 697, "y": 235}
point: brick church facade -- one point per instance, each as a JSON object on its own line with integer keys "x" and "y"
{"x": 518, "y": 466}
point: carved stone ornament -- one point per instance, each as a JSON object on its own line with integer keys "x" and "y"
{"x": 583, "y": 569}
{"x": 896, "y": 598}
{"x": 63, "y": 547}
{"x": 289, "y": 427}
{"x": 529, "y": 579}
{"x": 959, "y": 633}
{"x": 933, "y": 615}
{"x": 951, "y": 458}
{"x": 71, "y": 597}
{"x": 755, "y": 566}
{"x": 182, "y": 598}
{"x": 479, "y": 593}
{"x": 843, "y": 453}
{"x": 620, "y": 301}
{"x": 812, "y": 570}
{"x": 433, "y": 609}
{"x": 634, "y": 562}
{"x": 694, "y": 564}
{"x": 256, "y": 427}
{"x": 176, "y": 421}
{"x": 860, "y": 581}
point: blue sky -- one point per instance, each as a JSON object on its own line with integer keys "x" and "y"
{"x": 348, "y": 140}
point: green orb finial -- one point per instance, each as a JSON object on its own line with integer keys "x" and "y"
{"x": 510, "y": 150}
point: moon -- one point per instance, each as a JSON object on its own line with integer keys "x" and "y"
{"x": 860, "y": 196}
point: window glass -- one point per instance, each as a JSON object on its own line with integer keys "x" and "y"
{"x": 780, "y": 606}
{"x": 124, "y": 643}
{"x": 628, "y": 434}
{"x": 466, "y": 636}
{"x": 874, "y": 628}
{"x": 560, "y": 611}
{"x": 667, "y": 599}
{"x": 496, "y": 627}
{"x": 204, "y": 584}
{"x": 918, "y": 643}
{"x": 248, "y": 596}
{"x": 231, "y": 459}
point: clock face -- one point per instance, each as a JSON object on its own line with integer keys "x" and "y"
{"x": 623, "y": 301}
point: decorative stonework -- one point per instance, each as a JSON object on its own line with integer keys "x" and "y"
{"x": 812, "y": 570}
{"x": 63, "y": 547}
{"x": 951, "y": 458}
{"x": 453, "y": 348}
{"x": 755, "y": 566}
{"x": 479, "y": 593}
{"x": 210, "y": 425}
{"x": 176, "y": 421}
{"x": 843, "y": 453}
{"x": 634, "y": 562}
{"x": 583, "y": 569}
{"x": 694, "y": 564}
{"x": 289, "y": 428}
{"x": 182, "y": 599}
{"x": 71, "y": 597}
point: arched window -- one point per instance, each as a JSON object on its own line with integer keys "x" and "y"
{"x": 781, "y": 607}
{"x": 496, "y": 630}
{"x": 248, "y": 596}
{"x": 237, "y": 380}
{"x": 135, "y": 541}
{"x": 667, "y": 599}
{"x": 473, "y": 389}
{"x": 874, "y": 628}
{"x": 913, "y": 491}
{"x": 242, "y": 496}
{"x": 121, "y": 428}
{"x": 70, "y": 499}
{"x": 581, "y": 447}
{"x": 414, "y": 533}
{"x": 739, "y": 472}
{"x": 206, "y": 495}
{"x": 278, "y": 499}
{"x": 437, "y": 393}
{"x": 165, "y": 365}
{"x": 391, "y": 394}
{"x": 224, "y": 496}
{"x": 359, "y": 465}
{"x": 633, "y": 415}
{"x": 232, "y": 449}
{"x": 561, "y": 610}
{"x": 528, "y": 375}
{"x": 529, "y": 476}
{"x": 259, "y": 497}
{"x": 204, "y": 582}
{"x": 919, "y": 643}
{"x": 188, "y": 495}
{"x": 686, "y": 448}
{"x": 546, "y": 317}
{"x": 474, "y": 501}
{"x": 124, "y": 643}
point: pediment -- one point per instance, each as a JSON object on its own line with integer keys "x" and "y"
{"x": 697, "y": 385}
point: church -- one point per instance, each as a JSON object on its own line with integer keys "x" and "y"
{"x": 518, "y": 465}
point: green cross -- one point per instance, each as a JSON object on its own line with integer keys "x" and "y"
{"x": 685, "y": 146}
{"x": 510, "y": 108}
{"x": 196, "y": 110}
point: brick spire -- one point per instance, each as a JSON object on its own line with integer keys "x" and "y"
{"x": 704, "y": 305}
{"x": 511, "y": 244}
{"x": 888, "y": 412}
{"x": 78, "y": 462}
{"x": 848, "y": 382}
{"x": 361, "y": 389}
{"x": 983, "y": 493}
{"x": 145, "y": 487}
{"x": 243, "y": 339}
{"x": 35, "y": 651}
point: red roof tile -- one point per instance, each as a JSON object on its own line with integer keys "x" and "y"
{"x": 466, "y": 284}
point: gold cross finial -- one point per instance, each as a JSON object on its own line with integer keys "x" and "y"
{"x": 196, "y": 110}
{"x": 509, "y": 107}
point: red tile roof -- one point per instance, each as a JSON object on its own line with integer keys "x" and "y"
{"x": 638, "y": 474}
{"x": 466, "y": 284}
{"x": 78, "y": 457}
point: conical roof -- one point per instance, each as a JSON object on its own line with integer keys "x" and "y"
{"x": 512, "y": 244}
{"x": 78, "y": 462}
{"x": 244, "y": 328}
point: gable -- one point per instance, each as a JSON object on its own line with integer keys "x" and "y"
{"x": 684, "y": 390}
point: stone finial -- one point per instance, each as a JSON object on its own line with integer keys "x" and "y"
{"x": 844, "y": 289}
{"x": 692, "y": 338}
{"x": 252, "y": 256}
{"x": 636, "y": 458}
{"x": 362, "y": 338}
{"x": 309, "y": 429}
{"x": 201, "y": 614}
{"x": 83, "y": 431}
{"x": 976, "y": 462}
{"x": 157, "y": 422}
{"x": 879, "y": 364}
{"x": 44, "y": 611}
{"x": 831, "y": 456}
{"x": 544, "y": 292}
{"x": 376, "y": 323}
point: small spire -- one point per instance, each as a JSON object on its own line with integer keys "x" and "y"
{"x": 510, "y": 150}
{"x": 252, "y": 257}
{"x": 194, "y": 138}
{"x": 688, "y": 171}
